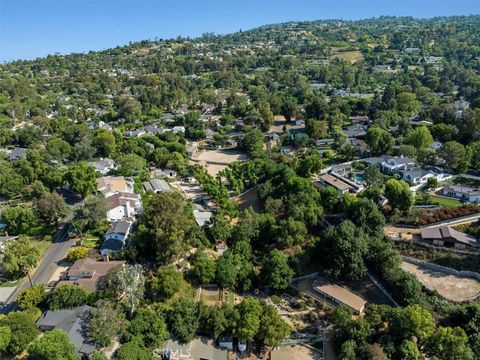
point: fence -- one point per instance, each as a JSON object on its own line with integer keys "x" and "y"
{"x": 383, "y": 290}
{"x": 441, "y": 268}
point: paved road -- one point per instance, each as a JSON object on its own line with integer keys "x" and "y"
{"x": 46, "y": 268}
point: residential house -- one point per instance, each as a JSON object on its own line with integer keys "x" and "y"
{"x": 103, "y": 166}
{"x": 465, "y": 193}
{"x": 156, "y": 185}
{"x": 115, "y": 237}
{"x": 88, "y": 273}
{"x": 339, "y": 295}
{"x": 135, "y": 133}
{"x": 340, "y": 186}
{"x": 201, "y": 216}
{"x": 448, "y": 237}
{"x": 394, "y": 164}
{"x": 15, "y": 154}
{"x": 122, "y": 205}
{"x": 169, "y": 173}
{"x": 110, "y": 185}
{"x": 197, "y": 349}
{"x": 355, "y": 130}
{"x": 75, "y": 323}
{"x": 417, "y": 176}
{"x": 177, "y": 129}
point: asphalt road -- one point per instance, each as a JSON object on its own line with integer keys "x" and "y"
{"x": 46, "y": 268}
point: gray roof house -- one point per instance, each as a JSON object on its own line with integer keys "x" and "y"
{"x": 115, "y": 237}
{"x": 448, "y": 237}
{"x": 156, "y": 185}
{"x": 74, "y": 322}
{"x": 103, "y": 166}
{"x": 15, "y": 154}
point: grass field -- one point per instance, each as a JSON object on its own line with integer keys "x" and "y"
{"x": 351, "y": 56}
{"x": 91, "y": 241}
{"x": 445, "y": 202}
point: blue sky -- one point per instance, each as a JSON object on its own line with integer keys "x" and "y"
{"x": 32, "y": 28}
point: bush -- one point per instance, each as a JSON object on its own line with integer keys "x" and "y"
{"x": 77, "y": 253}
{"x": 31, "y": 297}
{"x": 67, "y": 297}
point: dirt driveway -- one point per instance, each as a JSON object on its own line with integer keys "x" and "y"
{"x": 451, "y": 287}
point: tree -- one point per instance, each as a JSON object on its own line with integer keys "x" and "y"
{"x": 272, "y": 328}
{"x": 127, "y": 107}
{"x": 249, "y": 316}
{"x": 148, "y": 327}
{"x": 379, "y": 140}
{"x": 107, "y": 322}
{"x": 220, "y": 228}
{"x": 51, "y": 207}
{"x": 289, "y": 107}
{"x": 19, "y": 257}
{"x": 412, "y": 320}
{"x": 275, "y": 270}
{"x": 166, "y": 283}
{"x": 77, "y": 253}
{"x": 398, "y": 194}
{"x": 348, "y": 351}
{"x": 408, "y": 350}
{"x": 348, "y": 246}
{"x": 165, "y": 228}
{"x": 132, "y": 165}
{"x": 20, "y": 220}
{"x": 474, "y": 149}
{"x": 133, "y": 351}
{"x": 23, "y": 330}
{"x": 227, "y": 270}
{"x": 316, "y": 129}
{"x": 432, "y": 183}
{"x": 82, "y": 178}
{"x": 5, "y": 338}
{"x": 373, "y": 176}
{"x": 98, "y": 355}
{"x": 407, "y": 102}
{"x": 53, "y": 344}
{"x": 365, "y": 213}
{"x": 420, "y": 137}
{"x": 91, "y": 214}
{"x": 450, "y": 343}
{"x": 67, "y": 296}
{"x": 203, "y": 270}
{"x": 455, "y": 155}
{"x": 31, "y": 297}
{"x": 11, "y": 183}
{"x": 183, "y": 319}
{"x": 251, "y": 142}
{"x": 105, "y": 143}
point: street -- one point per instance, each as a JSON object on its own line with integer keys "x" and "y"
{"x": 46, "y": 267}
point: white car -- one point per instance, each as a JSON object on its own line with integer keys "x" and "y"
{"x": 242, "y": 345}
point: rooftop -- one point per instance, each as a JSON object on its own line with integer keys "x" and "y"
{"x": 339, "y": 294}
{"x": 336, "y": 183}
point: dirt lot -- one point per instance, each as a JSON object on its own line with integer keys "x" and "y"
{"x": 217, "y": 160}
{"x": 450, "y": 287}
{"x": 296, "y": 352}
{"x": 280, "y": 122}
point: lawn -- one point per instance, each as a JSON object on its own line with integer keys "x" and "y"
{"x": 91, "y": 241}
{"x": 350, "y": 56}
{"x": 10, "y": 283}
{"x": 41, "y": 245}
{"x": 445, "y": 202}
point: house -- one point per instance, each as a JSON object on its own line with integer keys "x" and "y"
{"x": 209, "y": 134}
{"x": 340, "y": 186}
{"x": 394, "y": 164}
{"x": 88, "y": 273}
{"x": 287, "y": 151}
{"x": 339, "y": 295}
{"x": 417, "y": 176}
{"x": 271, "y": 140}
{"x": 103, "y": 166}
{"x": 122, "y": 206}
{"x": 220, "y": 247}
{"x": 466, "y": 193}
{"x": 15, "y": 154}
{"x": 115, "y": 237}
{"x": 74, "y": 322}
{"x": 169, "y": 173}
{"x": 6, "y": 239}
{"x": 177, "y": 129}
{"x": 197, "y": 349}
{"x": 448, "y": 237}
{"x": 135, "y": 133}
{"x": 153, "y": 129}
{"x": 110, "y": 185}
{"x": 355, "y": 130}
{"x": 156, "y": 185}
{"x": 201, "y": 216}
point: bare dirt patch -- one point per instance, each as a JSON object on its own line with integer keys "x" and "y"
{"x": 217, "y": 160}
{"x": 451, "y": 287}
{"x": 295, "y": 352}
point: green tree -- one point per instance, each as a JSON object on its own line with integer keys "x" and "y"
{"x": 348, "y": 351}
{"x": 107, "y": 322}
{"x": 5, "y": 338}
{"x": 23, "y": 330}
{"x": 365, "y": 213}
{"x": 166, "y": 283}
{"x": 165, "y": 228}
{"x": 148, "y": 327}
{"x": 408, "y": 350}
{"x": 252, "y": 142}
{"x": 20, "y": 220}
{"x": 272, "y": 328}
{"x": 399, "y": 195}
{"x": 31, "y": 297}
{"x": 450, "y": 343}
{"x": 455, "y": 155}
{"x": 132, "y": 165}
{"x": 54, "y": 344}
{"x": 77, "y": 253}
{"x": 183, "y": 319}
{"x": 11, "y": 183}
{"x": 420, "y": 137}
{"x": 67, "y": 296}
{"x": 316, "y": 129}
{"x": 380, "y": 141}
{"x": 133, "y": 351}
{"x": 19, "y": 257}
{"x": 92, "y": 214}
{"x": 407, "y": 102}
{"x": 275, "y": 270}
{"x": 249, "y": 317}
{"x": 373, "y": 176}
{"x": 82, "y": 178}
{"x": 105, "y": 143}
{"x": 98, "y": 355}
{"x": 412, "y": 320}
{"x": 203, "y": 270}
{"x": 51, "y": 207}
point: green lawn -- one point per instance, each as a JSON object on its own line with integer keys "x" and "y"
{"x": 10, "y": 283}
{"x": 41, "y": 245}
{"x": 92, "y": 242}
{"x": 445, "y": 202}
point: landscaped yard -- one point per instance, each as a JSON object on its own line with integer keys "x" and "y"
{"x": 41, "y": 245}
{"x": 445, "y": 202}
{"x": 91, "y": 241}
